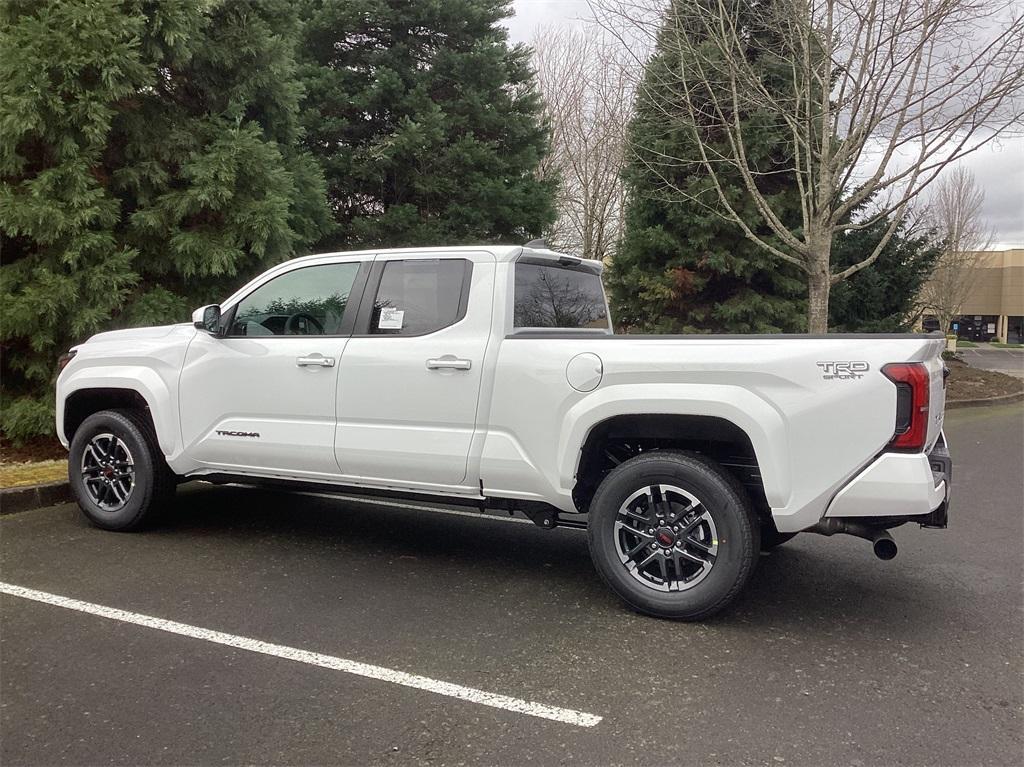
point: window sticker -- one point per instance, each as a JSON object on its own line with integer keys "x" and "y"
{"x": 390, "y": 318}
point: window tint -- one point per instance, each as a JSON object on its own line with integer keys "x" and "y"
{"x": 309, "y": 301}
{"x": 554, "y": 296}
{"x": 418, "y": 297}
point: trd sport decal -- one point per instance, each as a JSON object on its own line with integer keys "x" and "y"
{"x": 843, "y": 371}
{"x": 255, "y": 434}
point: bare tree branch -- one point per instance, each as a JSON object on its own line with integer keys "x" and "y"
{"x": 954, "y": 215}
{"x": 879, "y": 97}
{"x": 588, "y": 94}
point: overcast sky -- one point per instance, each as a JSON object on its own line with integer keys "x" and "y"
{"x": 999, "y": 169}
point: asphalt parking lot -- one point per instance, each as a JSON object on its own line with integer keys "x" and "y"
{"x": 1010, "y": 361}
{"x": 830, "y": 657}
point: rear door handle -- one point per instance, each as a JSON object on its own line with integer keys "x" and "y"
{"x": 315, "y": 360}
{"x": 449, "y": 362}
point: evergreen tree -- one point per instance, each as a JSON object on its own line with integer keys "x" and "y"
{"x": 426, "y": 123}
{"x": 150, "y": 157}
{"x": 880, "y": 298}
{"x": 681, "y": 267}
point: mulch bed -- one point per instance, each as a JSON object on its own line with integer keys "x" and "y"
{"x": 37, "y": 449}
{"x": 967, "y": 383}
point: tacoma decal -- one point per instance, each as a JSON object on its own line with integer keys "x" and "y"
{"x": 255, "y": 434}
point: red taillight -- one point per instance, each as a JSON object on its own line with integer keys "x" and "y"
{"x": 912, "y": 399}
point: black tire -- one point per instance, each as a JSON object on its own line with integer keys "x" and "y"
{"x": 737, "y": 543}
{"x": 770, "y": 537}
{"x": 152, "y": 485}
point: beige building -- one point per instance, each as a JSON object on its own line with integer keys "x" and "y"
{"x": 994, "y": 309}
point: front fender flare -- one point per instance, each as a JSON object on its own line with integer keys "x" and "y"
{"x": 145, "y": 382}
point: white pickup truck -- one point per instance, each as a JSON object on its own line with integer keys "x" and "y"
{"x": 490, "y": 376}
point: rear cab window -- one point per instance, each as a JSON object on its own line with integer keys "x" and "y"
{"x": 559, "y": 295}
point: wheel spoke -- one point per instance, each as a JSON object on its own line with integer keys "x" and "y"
{"x": 646, "y": 561}
{"x": 700, "y": 545}
{"x": 638, "y": 548}
{"x": 663, "y": 566}
{"x": 635, "y": 515}
{"x": 634, "y": 549}
{"x": 652, "y": 504}
{"x": 693, "y": 523}
{"x": 707, "y": 559}
{"x": 90, "y": 451}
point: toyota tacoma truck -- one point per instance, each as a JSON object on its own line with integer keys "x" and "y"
{"x": 490, "y": 376}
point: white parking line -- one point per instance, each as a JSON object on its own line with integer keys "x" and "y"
{"x": 516, "y": 705}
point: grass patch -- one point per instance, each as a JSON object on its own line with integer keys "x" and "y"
{"x": 966, "y": 345}
{"x": 999, "y": 345}
{"x": 35, "y": 473}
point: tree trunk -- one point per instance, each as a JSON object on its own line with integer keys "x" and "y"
{"x": 819, "y": 277}
{"x": 818, "y": 286}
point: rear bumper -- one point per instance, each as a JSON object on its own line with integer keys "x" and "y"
{"x": 911, "y": 487}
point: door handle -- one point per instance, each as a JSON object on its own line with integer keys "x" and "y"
{"x": 449, "y": 362}
{"x": 315, "y": 360}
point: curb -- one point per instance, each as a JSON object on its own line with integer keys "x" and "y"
{"x": 1003, "y": 399}
{"x": 15, "y": 499}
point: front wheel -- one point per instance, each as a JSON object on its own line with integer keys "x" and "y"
{"x": 117, "y": 472}
{"x": 673, "y": 535}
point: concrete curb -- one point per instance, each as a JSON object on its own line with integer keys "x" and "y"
{"x": 15, "y": 499}
{"x": 1003, "y": 399}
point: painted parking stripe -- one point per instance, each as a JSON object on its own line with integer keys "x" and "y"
{"x": 516, "y": 705}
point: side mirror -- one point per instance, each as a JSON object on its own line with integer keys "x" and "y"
{"x": 207, "y": 318}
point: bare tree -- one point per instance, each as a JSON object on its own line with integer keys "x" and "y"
{"x": 876, "y": 97}
{"x": 954, "y": 215}
{"x": 588, "y": 102}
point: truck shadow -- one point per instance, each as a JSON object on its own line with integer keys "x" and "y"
{"x": 801, "y": 584}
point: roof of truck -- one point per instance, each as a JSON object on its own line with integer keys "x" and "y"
{"x": 500, "y": 252}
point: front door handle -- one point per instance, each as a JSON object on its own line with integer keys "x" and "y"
{"x": 315, "y": 360}
{"x": 449, "y": 362}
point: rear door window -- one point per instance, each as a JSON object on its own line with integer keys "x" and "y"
{"x": 420, "y": 296}
{"x": 553, "y": 295}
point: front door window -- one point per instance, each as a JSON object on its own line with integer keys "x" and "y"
{"x": 310, "y": 301}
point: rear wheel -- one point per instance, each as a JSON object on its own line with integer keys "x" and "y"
{"x": 673, "y": 535}
{"x": 117, "y": 472}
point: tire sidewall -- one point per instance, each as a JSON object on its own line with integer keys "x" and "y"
{"x": 737, "y": 549}
{"x": 131, "y": 514}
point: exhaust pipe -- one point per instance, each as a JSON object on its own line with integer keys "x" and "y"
{"x": 884, "y": 546}
{"x": 881, "y": 542}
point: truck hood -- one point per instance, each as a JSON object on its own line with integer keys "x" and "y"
{"x": 137, "y": 334}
